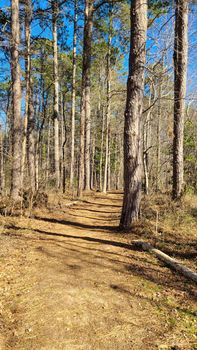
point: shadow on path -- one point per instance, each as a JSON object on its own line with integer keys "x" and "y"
{"x": 77, "y": 224}
{"x": 85, "y": 238}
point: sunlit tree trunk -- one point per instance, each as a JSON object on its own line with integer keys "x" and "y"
{"x": 133, "y": 115}
{"x": 64, "y": 147}
{"x": 109, "y": 164}
{"x": 56, "y": 94}
{"x": 84, "y": 160}
{"x": 108, "y": 111}
{"x": 92, "y": 162}
{"x": 16, "y": 102}
{"x": 101, "y": 153}
{"x": 158, "y": 155}
{"x": 48, "y": 154}
{"x": 2, "y": 176}
{"x": 29, "y": 99}
{"x": 180, "y": 77}
{"x": 72, "y": 160}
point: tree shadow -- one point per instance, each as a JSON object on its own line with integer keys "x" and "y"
{"x": 140, "y": 268}
{"x": 77, "y": 224}
{"x": 95, "y": 218}
{"x": 93, "y": 210}
{"x": 102, "y": 204}
{"x": 152, "y": 273}
{"x": 182, "y": 249}
{"x": 84, "y": 238}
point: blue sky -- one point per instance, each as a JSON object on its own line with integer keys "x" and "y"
{"x": 159, "y": 41}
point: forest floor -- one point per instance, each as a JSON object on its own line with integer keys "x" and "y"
{"x": 69, "y": 280}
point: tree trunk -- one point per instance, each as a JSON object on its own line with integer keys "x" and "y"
{"x": 24, "y": 144}
{"x": 2, "y": 184}
{"x": 92, "y": 162}
{"x": 145, "y": 160}
{"x": 61, "y": 136}
{"x": 72, "y": 161}
{"x": 101, "y": 153}
{"x": 158, "y": 166}
{"x": 87, "y": 66}
{"x": 133, "y": 115}
{"x": 180, "y": 76}
{"x": 16, "y": 102}
{"x": 109, "y": 163}
{"x": 29, "y": 99}
{"x": 106, "y": 168}
{"x": 48, "y": 154}
{"x": 85, "y": 102}
{"x": 64, "y": 148}
{"x": 56, "y": 94}
{"x": 37, "y": 144}
{"x": 120, "y": 170}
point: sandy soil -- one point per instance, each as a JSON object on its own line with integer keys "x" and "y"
{"x": 69, "y": 281}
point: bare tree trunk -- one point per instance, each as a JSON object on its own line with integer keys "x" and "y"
{"x": 133, "y": 115}
{"x": 72, "y": 161}
{"x": 48, "y": 154}
{"x": 116, "y": 162}
{"x": 24, "y": 145}
{"x": 92, "y": 162}
{"x": 56, "y": 94}
{"x": 64, "y": 168}
{"x": 37, "y": 144}
{"x": 109, "y": 163}
{"x": 16, "y": 102}
{"x": 87, "y": 66}
{"x": 85, "y": 102}
{"x": 2, "y": 178}
{"x": 37, "y": 168}
{"x": 158, "y": 166}
{"x": 108, "y": 105}
{"x": 63, "y": 149}
{"x": 101, "y": 153}
{"x": 61, "y": 136}
{"x": 29, "y": 99}
{"x": 145, "y": 161}
{"x": 180, "y": 77}
{"x": 120, "y": 168}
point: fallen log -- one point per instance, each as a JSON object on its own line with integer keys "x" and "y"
{"x": 171, "y": 262}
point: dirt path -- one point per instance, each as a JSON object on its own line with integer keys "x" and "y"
{"x": 68, "y": 281}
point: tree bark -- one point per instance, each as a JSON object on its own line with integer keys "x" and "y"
{"x": 133, "y": 115}
{"x": 145, "y": 157}
{"x": 92, "y": 184}
{"x": 109, "y": 163}
{"x": 56, "y": 94}
{"x": 106, "y": 167}
{"x": 84, "y": 161}
{"x": 158, "y": 155}
{"x": 48, "y": 154}
{"x": 2, "y": 176}
{"x": 16, "y": 102}
{"x": 72, "y": 161}
{"x": 29, "y": 99}
{"x": 180, "y": 77}
{"x": 64, "y": 147}
{"x": 101, "y": 153}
